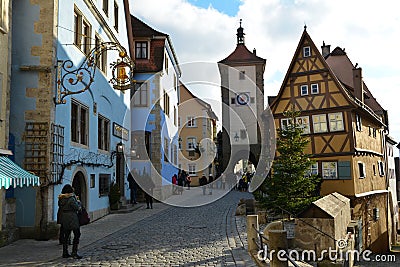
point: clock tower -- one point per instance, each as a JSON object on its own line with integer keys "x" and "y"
{"x": 242, "y": 92}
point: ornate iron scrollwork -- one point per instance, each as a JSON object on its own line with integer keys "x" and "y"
{"x": 72, "y": 80}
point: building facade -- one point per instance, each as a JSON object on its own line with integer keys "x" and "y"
{"x": 154, "y": 105}
{"x": 346, "y": 126}
{"x": 61, "y": 134}
{"x": 197, "y": 136}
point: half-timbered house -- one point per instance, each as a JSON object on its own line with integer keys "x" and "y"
{"x": 345, "y": 125}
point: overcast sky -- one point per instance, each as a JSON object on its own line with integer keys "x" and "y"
{"x": 205, "y": 31}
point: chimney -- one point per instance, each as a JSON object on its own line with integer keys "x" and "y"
{"x": 358, "y": 84}
{"x": 326, "y": 49}
{"x": 254, "y": 52}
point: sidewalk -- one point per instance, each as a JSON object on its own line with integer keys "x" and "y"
{"x": 29, "y": 252}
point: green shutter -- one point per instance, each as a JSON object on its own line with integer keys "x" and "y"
{"x": 344, "y": 170}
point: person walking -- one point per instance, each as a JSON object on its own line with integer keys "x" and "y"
{"x": 133, "y": 186}
{"x": 69, "y": 206}
{"x": 210, "y": 181}
{"x": 149, "y": 186}
{"x": 203, "y": 183}
{"x": 223, "y": 181}
{"x": 180, "y": 183}
{"x": 174, "y": 183}
{"x": 188, "y": 181}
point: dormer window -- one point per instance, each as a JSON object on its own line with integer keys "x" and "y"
{"x": 141, "y": 50}
{"x": 306, "y": 51}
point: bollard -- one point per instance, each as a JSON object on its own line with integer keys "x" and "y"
{"x": 252, "y": 235}
{"x": 276, "y": 245}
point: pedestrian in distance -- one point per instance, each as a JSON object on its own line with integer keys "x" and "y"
{"x": 180, "y": 183}
{"x": 210, "y": 181}
{"x": 203, "y": 183}
{"x": 223, "y": 181}
{"x": 188, "y": 181}
{"x": 149, "y": 186}
{"x": 174, "y": 183}
{"x": 69, "y": 206}
{"x": 133, "y": 186}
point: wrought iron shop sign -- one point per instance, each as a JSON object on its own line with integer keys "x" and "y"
{"x": 120, "y": 131}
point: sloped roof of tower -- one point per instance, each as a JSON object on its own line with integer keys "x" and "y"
{"x": 342, "y": 67}
{"x": 242, "y": 55}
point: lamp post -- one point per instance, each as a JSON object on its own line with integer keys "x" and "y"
{"x": 77, "y": 80}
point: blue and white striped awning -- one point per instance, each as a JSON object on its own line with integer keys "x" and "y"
{"x": 13, "y": 175}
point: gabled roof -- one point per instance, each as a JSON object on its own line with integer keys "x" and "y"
{"x": 342, "y": 67}
{"x": 206, "y": 105}
{"x": 242, "y": 55}
{"x": 332, "y": 204}
{"x": 141, "y": 29}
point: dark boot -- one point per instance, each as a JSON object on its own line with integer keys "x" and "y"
{"x": 75, "y": 254}
{"x": 65, "y": 251}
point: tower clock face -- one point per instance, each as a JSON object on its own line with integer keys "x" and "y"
{"x": 243, "y": 98}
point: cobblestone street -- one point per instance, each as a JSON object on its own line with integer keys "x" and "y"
{"x": 209, "y": 235}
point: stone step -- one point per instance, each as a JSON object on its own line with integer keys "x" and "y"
{"x": 127, "y": 208}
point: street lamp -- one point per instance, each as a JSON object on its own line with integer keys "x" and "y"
{"x": 72, "y": 80}
{"x": 120, "y": 147}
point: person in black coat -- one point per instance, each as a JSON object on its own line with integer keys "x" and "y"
{"x": 133, "y": 186}
{"x": 203, "y": 183}
{"x": 69, "y": 206}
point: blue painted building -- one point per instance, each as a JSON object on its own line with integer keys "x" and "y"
{"x": 67, "y": 138}
{"x": 154, "y": 105}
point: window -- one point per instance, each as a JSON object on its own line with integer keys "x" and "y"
{"x": 92, "y": 180}
{"x": 175, "y": 157}
{"x": 105, "y": 7}
{"x": 3, "y": 16}
{"x": 116, "y": 14}
{"x": 175, "y": 117}
{"x": 285, "y": 123}
{"x": 101, "y": 62}
{"x": 242, "y": 75}
{"x": 140, "y": 96}
{"x": 381, "y": 168}
{"x": 329, "y": 170}
{"x": 166, "y": 149}
{"x": 86, "y": 32}
{"x": 313, "y": 169}
{"x": 233, "y": 100}
{"x": 77, "y": 27}
{"x": 369, "y": 130}
{"x": 141, "y": 50}
{"x": 192, "y": 169}
{"x": 306, "y": 51}
{"x": 358, "y": 123}
{"x": 314, "y": 89}
{"x": 361, "y": 169}
{"x": 104, "y": 184}
{"x": 191, "y": 122}
{"x": 192, "y": 153}
{"x": 304, "y": 124}
{"x": 374, "y": 132}
{"x": 166, "y": 63}
{"x": 336, "y": 122}
{"x": 304, "y": 90}
{"x": 243, "y": 134}
{"x": 79, "y": 123}
{"x": 374, "y": 169}
{"x": 103, "y": 133}
{"x": 141, "y": 145}
{"x": 319, "y": 123}
{"x": 166, "y": 103}
{"x": 191, "y": 143}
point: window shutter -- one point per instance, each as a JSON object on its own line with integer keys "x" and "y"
{"x": 344, "y": 170}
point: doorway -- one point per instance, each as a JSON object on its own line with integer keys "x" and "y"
{"x": 79, "y": 185}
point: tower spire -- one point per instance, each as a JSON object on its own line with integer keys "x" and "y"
{"x": 240, "y": 34}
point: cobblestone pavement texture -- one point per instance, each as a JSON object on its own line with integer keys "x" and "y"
{"x": 208, "y": 235}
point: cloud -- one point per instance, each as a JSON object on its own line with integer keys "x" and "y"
{"x": 367, "y": 29}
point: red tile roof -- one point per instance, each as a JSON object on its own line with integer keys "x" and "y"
{"x": 242, "y": 55}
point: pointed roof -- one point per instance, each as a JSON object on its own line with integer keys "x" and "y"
{"x": 342, "y": 66}
{"x": 242, "y": 55}
{"x": 206, "y": 105}
{"x": 141, "y": 29}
